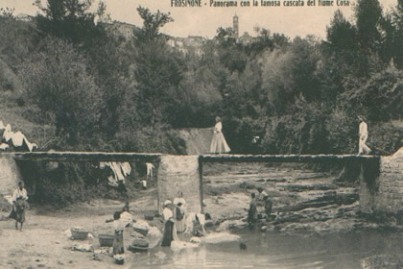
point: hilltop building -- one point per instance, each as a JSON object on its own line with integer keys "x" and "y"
{"x": 235, "y": 26}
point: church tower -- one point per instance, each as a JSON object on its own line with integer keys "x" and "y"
{"x": 235, "y": 26}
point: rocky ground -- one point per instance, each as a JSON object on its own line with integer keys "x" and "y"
{"x": 305, "y": 199}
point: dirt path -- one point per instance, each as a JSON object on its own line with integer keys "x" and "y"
{"x": 43, "y": 244}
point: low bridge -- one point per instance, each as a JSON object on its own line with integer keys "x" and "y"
{"x": 381, "y": 177}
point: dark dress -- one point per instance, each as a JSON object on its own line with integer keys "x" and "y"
{"x": 168, "y": 234}
{"x": 252, "y": 213}
{"x": 18, "y": 212}
{"x": 118, "y": 243}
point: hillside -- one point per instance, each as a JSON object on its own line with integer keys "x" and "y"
{"x": 197, "y": 140}
{"x": 12, "y": 111}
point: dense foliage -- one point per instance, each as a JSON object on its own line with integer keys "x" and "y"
{"x": 104, "y": 90}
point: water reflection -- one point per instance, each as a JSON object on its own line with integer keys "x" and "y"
{"x": 271, "y": 250}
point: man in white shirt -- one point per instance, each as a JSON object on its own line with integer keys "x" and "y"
{"x": 19, "y": 199}
{"x": 20, "y": 192}
{"x": 363, "y": 137}
{"x": 150, "y": 169}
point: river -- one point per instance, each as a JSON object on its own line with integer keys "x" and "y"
{"x": 226, "y": 196}
{"x": 274, "y": 250}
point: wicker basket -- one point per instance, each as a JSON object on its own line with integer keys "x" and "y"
{"x": 106, "y": 240}
{"x": 149, "y": 216}
{"x": 79, "y": 234}
{"x": 140, "y": 230}
{"x": 139, "y": 245}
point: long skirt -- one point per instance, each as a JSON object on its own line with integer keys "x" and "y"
{"x": 252, "y": 213}
{"x": 180, "y": 226}
{"x": 219, "y": 144}
{"x": 118, "y": 247}
{"x": 18, "y": 212}
{"x": 168, "y": 234}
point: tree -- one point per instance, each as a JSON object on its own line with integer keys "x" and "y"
{"x": 368, "y": 18}
{"x": 70, "y": 20}
{"x": 60, "y": 85}
{"x": 393, "y": 38}
{"x": 158, "y": 69}
{"x": 341, "y": 34}
{"x": 152, "y": 23}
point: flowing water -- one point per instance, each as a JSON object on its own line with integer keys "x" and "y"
{"x": 287, "y": 185}
{"x": 271, "y": 250}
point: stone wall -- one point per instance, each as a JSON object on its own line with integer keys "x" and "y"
{"x": 389, "y": 198}
{"x": 180, "y": 173}
{"x": 9, "y": 174}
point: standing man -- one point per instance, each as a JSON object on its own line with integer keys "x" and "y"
{"x": 363, "y": 137}
{"x": 150, "y": 172}
{"x": 20, "y": 203}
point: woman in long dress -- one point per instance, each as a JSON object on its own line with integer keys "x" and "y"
{"x": 169, "y": 226}
{"x": 218, "y": 143}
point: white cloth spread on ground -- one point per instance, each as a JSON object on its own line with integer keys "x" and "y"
{"x": 4, "y": 146}
{"x": 218, "y": 142}
{"x": 16, "y": 139}
{"x": 7, "y": 135}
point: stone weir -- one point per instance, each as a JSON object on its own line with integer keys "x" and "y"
{"x": 381, "y": 184}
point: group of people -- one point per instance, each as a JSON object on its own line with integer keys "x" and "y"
{"x": 219, "y": 144}
{"x": 260, "y": 206}
{"x": 178, "y": 220}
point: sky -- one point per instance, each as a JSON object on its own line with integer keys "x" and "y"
{"x": 204, "y": 20}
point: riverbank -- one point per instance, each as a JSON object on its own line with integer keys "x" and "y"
{"x": 309, "y": 203}
{"x": 43, "y": 243}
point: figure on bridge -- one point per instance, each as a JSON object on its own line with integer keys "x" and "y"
{"x": 363, "y": 137}
{"x": 218, "y": 143}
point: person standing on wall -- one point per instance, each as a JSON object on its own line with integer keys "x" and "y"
{"x": 363, "y": 137}
{"x": 218, "y": 143}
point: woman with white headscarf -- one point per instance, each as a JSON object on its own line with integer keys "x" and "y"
{"x": 169, "y": 228}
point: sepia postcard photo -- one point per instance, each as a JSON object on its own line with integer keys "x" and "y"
{"x": 201, "y": 134}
